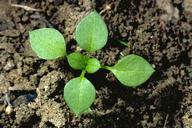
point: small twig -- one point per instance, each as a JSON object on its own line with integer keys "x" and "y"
{"x": 107, "y": 7}
{"x": 165, "y": 123}
{"x": 24, "y": 7}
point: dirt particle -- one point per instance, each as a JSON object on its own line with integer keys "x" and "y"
{"x": 10, "y": 33}
{"x": 188, "y": 5}
{"x": 49, "y": 83}
{"x": 171, "y": 12}
{"x": 10, "y": 64}
{"x": 187, "y": 118}
{"x": 23, "y": 114}
{"x": 52, "y": 112}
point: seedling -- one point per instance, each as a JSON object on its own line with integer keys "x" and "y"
{"x": 91, "y": 34}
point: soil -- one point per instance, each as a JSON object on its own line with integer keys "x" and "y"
{"x": 160, "y": 31}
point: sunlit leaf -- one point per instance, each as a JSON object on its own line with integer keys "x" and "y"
{"x": 132, "y": 70}
{"x": 47, "y": 43}
{"x": 79, "y": 94}
{"x": 91, "y": 33}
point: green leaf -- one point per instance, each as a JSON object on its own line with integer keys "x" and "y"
{"x": 77, "y": 61}
{"x": 93, "y": 65}
{"x": 79, "y": 94}
{"x": 47, "y": 43}
{"x": 91, "y": 33}
{"x": 132, "y": 70}
{"x": 123, "y": 42}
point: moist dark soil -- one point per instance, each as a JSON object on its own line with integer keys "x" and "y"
{"x": 160, "y": 31}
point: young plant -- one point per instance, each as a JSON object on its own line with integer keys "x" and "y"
{"x": 91, "y": 34}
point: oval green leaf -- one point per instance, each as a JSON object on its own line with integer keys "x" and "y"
{"x": 77, "y": 61}
{"x": 132, "y": 70}
{"x": 91, "y": 33}
{"x": 93, "y": 65}
{"x": 79, "y": 94}
{"x": 47, "y": 43}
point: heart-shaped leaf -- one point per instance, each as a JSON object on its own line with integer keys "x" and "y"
{"x": 79, "y": 94}
{"x": 132, "y": 70}
{"x": 47, "y": 43}
{"x": 77, "y": 60}
{"x": 91, "y": 33}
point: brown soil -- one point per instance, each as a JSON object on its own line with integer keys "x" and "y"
{"x": 160, "y": 31}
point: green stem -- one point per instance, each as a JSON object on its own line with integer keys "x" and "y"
{"x": 106, "y": 67}
{"x": 82, "y": 73}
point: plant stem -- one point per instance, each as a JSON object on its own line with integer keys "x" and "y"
{"x": 82, "y": 73}
{"x": 106, "y": 67}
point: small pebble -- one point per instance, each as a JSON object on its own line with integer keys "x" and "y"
{"x": 10, "y": 64}
{"x": 8, "y": 110}
{"x": 25, "y": 18}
